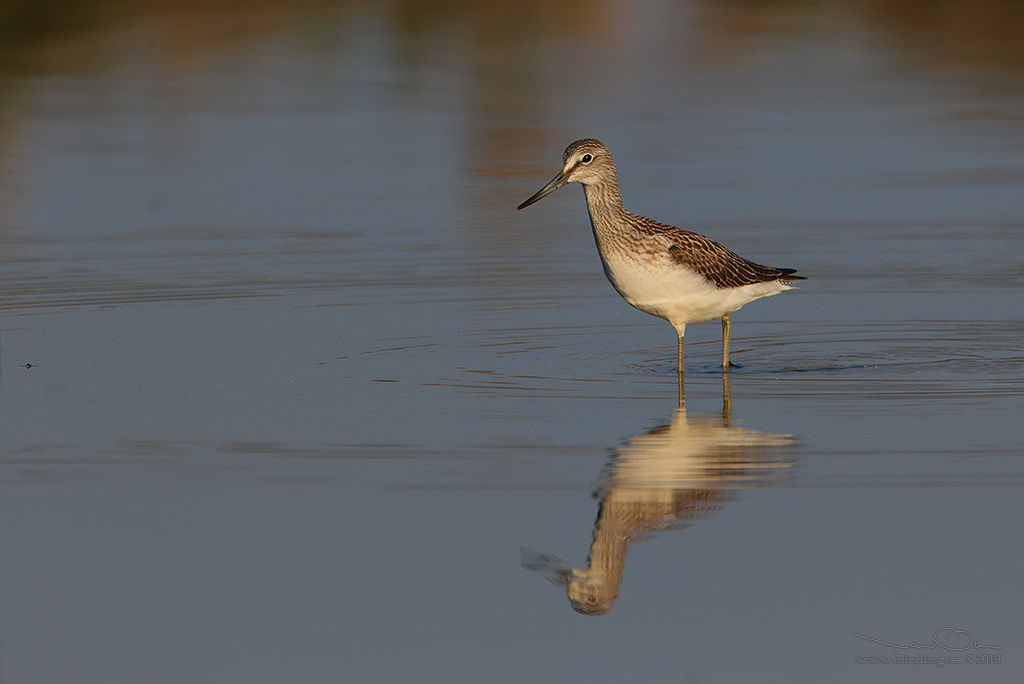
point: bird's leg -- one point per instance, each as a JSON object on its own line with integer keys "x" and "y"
{"x": 726, "y": 336}
{"x": 680, "y": 330}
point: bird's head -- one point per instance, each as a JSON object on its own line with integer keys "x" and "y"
{"x": 585, "y": 161}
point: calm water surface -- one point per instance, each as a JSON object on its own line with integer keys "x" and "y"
{"x": 291, "y": 392}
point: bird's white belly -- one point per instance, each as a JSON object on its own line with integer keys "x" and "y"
{"x": 679, "y": 294}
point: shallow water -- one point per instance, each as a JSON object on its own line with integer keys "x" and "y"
{"x": 291, "y": 392}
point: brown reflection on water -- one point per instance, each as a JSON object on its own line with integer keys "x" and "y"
{"x": 510, "y": 45}
{"x": 665, "y": 479}
{"x": 511, "y": 48}
{"x": 983, "y": 34}
{"x": 35, "y": 38}
{"x": 941, "y": 35}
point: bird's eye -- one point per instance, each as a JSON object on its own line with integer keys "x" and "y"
{"x": 587, "y": 158}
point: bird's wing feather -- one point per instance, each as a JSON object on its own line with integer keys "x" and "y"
{"x": 719, "y": 265}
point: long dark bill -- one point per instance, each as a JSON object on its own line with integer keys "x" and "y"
{"x": 556, "y": 182}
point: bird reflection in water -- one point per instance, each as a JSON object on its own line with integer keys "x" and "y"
{"x": 665, "y": 479}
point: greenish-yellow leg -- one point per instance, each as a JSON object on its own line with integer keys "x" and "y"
{"x": 726, "y": 336}
{"x": 680, "y": 368}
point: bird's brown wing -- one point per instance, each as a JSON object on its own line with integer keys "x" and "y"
{"x": 721, "y": 266}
